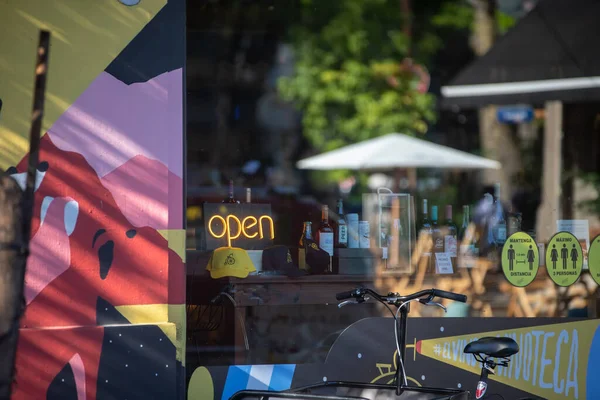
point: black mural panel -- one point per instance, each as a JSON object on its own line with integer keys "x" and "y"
{"x": 63, "y": 386}
{"x": 137, "y": 362}
{"x": 158, "y": 48}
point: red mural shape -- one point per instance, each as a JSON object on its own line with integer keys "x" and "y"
{"x": 109, "y": 259}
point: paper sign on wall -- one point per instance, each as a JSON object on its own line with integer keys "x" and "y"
{"x": 443, "y": 263}
{"x": 581, "y": 230}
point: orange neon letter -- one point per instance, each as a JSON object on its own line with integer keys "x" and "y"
{"x": 245, "y": 227}
{"x": 260, "y": 226}
{"x": 239, "y": 231}
{"x": 210, "y": 229}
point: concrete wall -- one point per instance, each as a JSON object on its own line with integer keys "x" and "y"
{"x": 105, "y": 285}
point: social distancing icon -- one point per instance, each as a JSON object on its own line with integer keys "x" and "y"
{"x": 564, "y": 259}
{"x": 520, "y": 259}
{"x": 594, "y": 259}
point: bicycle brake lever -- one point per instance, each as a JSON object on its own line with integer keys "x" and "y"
{"x": 346, "y": 302}
{"x": 433, "y": 303}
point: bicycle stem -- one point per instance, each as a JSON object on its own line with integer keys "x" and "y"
{"x": 402, "y": 324}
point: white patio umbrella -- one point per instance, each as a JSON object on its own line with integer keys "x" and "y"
{"x": 395, "y": 151}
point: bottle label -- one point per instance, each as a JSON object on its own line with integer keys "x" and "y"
{"x": 364, "y": 234}
{"x": 450, "y": 245}
{"x": 326, "y": 242}
{"x": 343, "y": 234}
{"x": 439, "y": 245}
{"x": 352, "y": 234}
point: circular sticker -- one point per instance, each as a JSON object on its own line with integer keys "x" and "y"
{"x": 594, "y": 259}
{"x": 520, "y": 259}
{"x": 564, "y": 259}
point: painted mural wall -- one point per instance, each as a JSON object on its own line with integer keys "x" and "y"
{"x": 105, "y": 279}
{"x": 558, "y": 360}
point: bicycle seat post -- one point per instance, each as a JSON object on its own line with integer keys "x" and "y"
{"x": 488, "y": 366}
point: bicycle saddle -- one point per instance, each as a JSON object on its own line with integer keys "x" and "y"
{"x": 500, "y": 347}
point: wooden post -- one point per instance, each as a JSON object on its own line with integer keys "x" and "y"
{"x": 12, "y": 266}
{"x": 549, "y": 210}
{"x": 15, "y": 230}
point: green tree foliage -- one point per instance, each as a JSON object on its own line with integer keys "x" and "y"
{"x": 353, "y": 79}
{"x": 350, "y": 81}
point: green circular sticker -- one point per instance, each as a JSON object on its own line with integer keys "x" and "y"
{"x": 594, "y": 259}
{"x": 520, "y": 259}
{"x": 564, "y": 259}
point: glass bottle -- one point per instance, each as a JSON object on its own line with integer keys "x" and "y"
{"x": 437, "y": 235}
{"x": 325, "y": 233}
{"x": 465, "y": 222}
{"x": 231, "y": 199}
{"x": 499, "y": 218}
{"x": 306, "y": 233}
{"x": 248, "y": 195}
{"x": 425, "y": 231}
{"x": 468, "y": 241}
{"x": 341, "y": 240}
{"x": 450, "y": 233}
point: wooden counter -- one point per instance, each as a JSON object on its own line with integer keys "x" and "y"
{"x": 260, "y": 290}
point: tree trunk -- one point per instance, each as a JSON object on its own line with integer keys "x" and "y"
{"x": 12, "y": 266}
{"x": 497, "y": 141}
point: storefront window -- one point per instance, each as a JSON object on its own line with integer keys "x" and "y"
{"x": 396, "y": 146}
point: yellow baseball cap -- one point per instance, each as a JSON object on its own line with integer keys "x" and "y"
{"x": 230, "y": 261}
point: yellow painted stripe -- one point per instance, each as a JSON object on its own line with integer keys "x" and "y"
{"x": 86, "y": 38}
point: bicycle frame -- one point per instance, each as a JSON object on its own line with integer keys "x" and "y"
{"x": 401, "y": 303}
{"x": 301, "y": 392}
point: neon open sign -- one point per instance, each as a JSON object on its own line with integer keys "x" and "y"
{"x": 249, "y": 226}
{"x": 246, "y": 227}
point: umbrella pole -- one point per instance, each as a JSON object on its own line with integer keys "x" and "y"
{"x": 411, "y": 174}
{"x": 412, "y": 179}
{"x": 398, "y": 175}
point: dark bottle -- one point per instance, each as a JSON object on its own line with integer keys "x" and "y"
{"x": 450, "y": 233}
{"x": 436, "y": 232}
{"x": 306, "y": 233}
{"x": 325, "y": 232}
{"x": 468, "y": 242}
{"x": 341, "y": 237}
{"x": 425, "y": 231}
{"x": 499, "y": 218}
{"x": 465, "y": 222}
{"x": 231, "y": 199}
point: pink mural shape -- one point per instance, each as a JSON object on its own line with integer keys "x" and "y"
{"x": 123, "y": 132}
{"x": 50, "y": 247}
{"x": 79, "y": 374}
{"x": 141, "y": 188}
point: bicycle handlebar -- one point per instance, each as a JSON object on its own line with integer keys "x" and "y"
{"x": 345, "y": 295}
{"x": 359, "y": 293}
{"x": 450, "y": 295}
